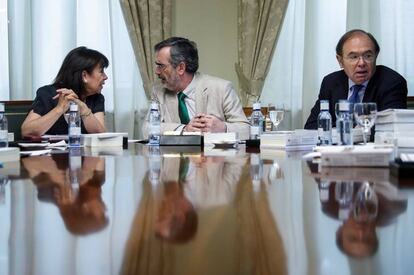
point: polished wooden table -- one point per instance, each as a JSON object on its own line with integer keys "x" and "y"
{"x": 168, "y": 210}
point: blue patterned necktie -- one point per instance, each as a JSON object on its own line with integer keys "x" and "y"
{"x": 182, "y": 108}
{"x": 354, "y": 97}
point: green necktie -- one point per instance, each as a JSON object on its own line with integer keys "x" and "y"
{"x": 182, "y": 108}
{"x": 184, "y": 166}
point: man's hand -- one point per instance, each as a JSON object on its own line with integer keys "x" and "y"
{"x": 213, "y": 124}
{"x": 205, "y": 123}
{"x": 197, "y": 124}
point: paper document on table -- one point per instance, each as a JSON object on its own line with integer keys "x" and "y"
{"x": 58, "y": 145}
{"x": 399, "y": 139}
{"x": 405, "y": 157}
{"x": 289, "y": 140}
{"x": 35, "y": 153}
{"x": 55, "y": 137}
{"x": 364, "y": 156}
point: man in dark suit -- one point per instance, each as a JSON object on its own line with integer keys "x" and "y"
{"x": 360, "y": 79}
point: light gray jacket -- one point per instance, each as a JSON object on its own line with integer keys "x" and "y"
{"x": 213, "y": 96}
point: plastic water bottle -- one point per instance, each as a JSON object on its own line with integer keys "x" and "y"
{"x": 74, "y": 124}
{"x": 256, "y": 122}
{"x": 324, "y": 125}
{"x": 155, "y": 125}
{"x": 4, "y": 133}
{"x": 344, "y": 123}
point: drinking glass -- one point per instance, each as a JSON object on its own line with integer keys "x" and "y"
{"x": 366, "y": 203}
{"x": 276, "y": 115}
{"x": 269, "y": 124}
{"x": 365, "y": 115}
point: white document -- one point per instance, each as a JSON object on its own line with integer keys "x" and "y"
{"x": 362, "y": 156}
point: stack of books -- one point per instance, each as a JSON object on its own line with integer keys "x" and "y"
{"x": 395, "y": 126}
{"x": 289, "y": 140}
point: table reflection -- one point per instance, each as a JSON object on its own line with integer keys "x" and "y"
{"x": 202, "y": 210}
{"x": 73, "y": 184}
{"x": 362, "y": 207}
{"x": 165, "y": 210}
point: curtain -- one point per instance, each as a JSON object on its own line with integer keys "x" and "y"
{"x": 259, "y": 23}
{"x": 148, "y": 23}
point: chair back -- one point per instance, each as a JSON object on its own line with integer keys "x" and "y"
{"x": 16, "y": 112}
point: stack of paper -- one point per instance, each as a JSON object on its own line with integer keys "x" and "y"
{"x": 359, "y": 156}
{"x": 289, "y": 140}
{"x": 395, "y": 126}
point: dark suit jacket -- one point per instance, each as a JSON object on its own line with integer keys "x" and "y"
{"x": 386, "y": 87}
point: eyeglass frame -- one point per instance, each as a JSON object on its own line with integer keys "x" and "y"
{"x": 368, "y": 57}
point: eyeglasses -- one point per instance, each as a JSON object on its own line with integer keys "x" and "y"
{"x": 367, "y": 57}
{"x": 160, "y": 66}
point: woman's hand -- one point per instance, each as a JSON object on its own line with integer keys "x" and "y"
{"x": 65, "y": 97}
{"x": 83, "y": 108}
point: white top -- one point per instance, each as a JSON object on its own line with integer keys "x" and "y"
{"x": 2, "y": 107}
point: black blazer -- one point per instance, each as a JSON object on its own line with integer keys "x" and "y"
{"x": 386, "y": 87}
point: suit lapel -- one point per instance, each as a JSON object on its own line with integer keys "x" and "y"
{"x": 171, "y": 102}
{"x": 201, "y": 97}
{"x": 342, "y": 88}
{"x": 369, "y": 91}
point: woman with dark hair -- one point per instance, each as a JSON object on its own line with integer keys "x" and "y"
{"x": 80, "y": 79}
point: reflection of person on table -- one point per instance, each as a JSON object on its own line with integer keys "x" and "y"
{"x": 357, "y": 237}
{"x": 235, "y": 233}
{"x": 84, "y": 211}
{"x": 177, "y": 218}
{"x": 80, "y": 79}
{"x": 212, "y": 181}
